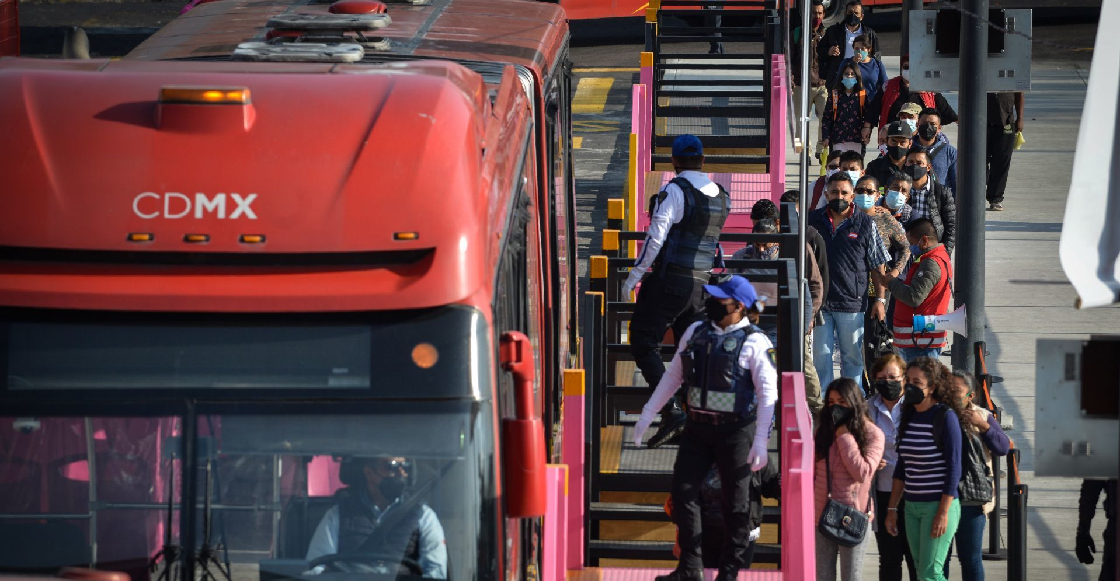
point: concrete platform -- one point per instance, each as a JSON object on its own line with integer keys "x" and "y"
{"x": 1027, "y": 298}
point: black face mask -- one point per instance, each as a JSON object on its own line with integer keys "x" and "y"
{"x": 839, "y": 205}
{"x": 914, "y": 394}
{"x": 916, "y": 172}
{"x": 392, "y": 487}
{"x": 852, "y": 20}
{"x": 715, "y": 310}
{"x": 896, "y": 152}
{"x": 890, "y": 390}
{"x": 840, "y": 415}
{"x": 927, "y": 131}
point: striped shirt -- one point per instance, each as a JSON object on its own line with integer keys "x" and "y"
{"x": 928, "y": 472}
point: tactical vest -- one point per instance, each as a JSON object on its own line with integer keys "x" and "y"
{"x": 716, "y": 381}
{"x": 693, "y": 242}
{"x": 358, "y": 530}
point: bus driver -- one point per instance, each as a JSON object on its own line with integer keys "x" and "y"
{"x": 352, "y": 529}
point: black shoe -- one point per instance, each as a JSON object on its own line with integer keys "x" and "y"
{"x": 672, "y": 424}
{"x": 727, "y": 576}
{"x": 679, "y": 574}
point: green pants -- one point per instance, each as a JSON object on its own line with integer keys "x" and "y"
{"x": 930, "y": 553}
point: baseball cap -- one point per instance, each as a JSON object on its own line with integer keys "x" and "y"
{"x": 736, "y": 287}
{"x": 899, "y": 129}
{"x": 911, "y": 109}
{"x": 687, "y": 146}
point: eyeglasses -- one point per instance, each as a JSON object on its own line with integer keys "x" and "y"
{"x": 867, "y": 191}
{"x": 400, "y": 465}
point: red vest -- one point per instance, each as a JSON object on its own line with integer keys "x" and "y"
{"x": 937, "y": 303}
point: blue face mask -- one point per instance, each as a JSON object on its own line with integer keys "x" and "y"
{"x": 849, "y": 82}
{"x": 865, "y": 201}
{"x": 854, "y": 175}
{"x": 915, "y": 250}
{"x": 912, "y": 124}
{"x": 895, "y": 199}
{"x": 863, "y": 54}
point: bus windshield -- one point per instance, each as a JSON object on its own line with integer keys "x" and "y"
{"x": 403, "y": 489}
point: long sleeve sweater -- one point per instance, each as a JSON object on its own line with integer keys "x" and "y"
{"x": 928, "y": 472}
{"x": 853, "y": 472}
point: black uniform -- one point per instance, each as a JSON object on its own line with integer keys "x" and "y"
{"x": 1000, "y": 143}
{"x": 673, "y": 292}
{"x": 1086, "y": 508}
{"x": 722, "y": 414}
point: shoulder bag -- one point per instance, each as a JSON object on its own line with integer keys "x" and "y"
{"x": 840, "y": 523}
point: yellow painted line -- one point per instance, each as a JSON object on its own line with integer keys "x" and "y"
{"x": 606, "y": 70}
{"x": 610, "y": 449}
{"x": 596, "y": 126}
{"x": 591, "y": 95}
{"x": 577, "y": 142}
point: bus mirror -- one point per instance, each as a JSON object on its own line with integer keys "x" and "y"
{"x": 523, "y": 451}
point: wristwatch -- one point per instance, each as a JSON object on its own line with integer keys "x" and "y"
{"x": 881, "y": 300}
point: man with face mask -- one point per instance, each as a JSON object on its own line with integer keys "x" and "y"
{"x": 836, "y": 46}
{"x": 898, "y": 192}
{"x": 855, "y": 248}
{"x": 898, "y": 145}
{"x": 375, "y": 494}
{"x": 926, "y": 290}
{"x": 680, "y": 250}
{"x": 897, "y": 94}
{"x": 942, "y": 154}
{"x": 930, "y": 198}
{"x": 818, "y": 92}
{"x": 728, "y": 368}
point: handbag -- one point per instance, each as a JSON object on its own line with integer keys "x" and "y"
{"x": 840, "y": 523}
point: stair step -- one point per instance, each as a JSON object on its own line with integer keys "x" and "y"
{"x": 711, "y": 93}
{"x": 719, "y": 3}
{"x": 710, "y": 82}
{"x": 708, "y": 38}
{"x": 745, "y": 141}
{"x": 637, "y": 482}
{"x": 718, "y": 159}
{"x": 708, "y": 111}
{"x": 623, "y": 511}
{"x": 734, "y": 56}
{"x": 710, "y": 67}
{"x": 654, "y": 513}
{"x": 683, "y": 12}
{"x": 671, "y": 31}
{"x": 663, "y": 551}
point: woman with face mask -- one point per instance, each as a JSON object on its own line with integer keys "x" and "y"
{"x": 982, "y": 438}
{"x": 888, "y": 374}
{"x": 849, "y": 447}
{"x": 928, "y": 472}
{"x": 842, "y": 125}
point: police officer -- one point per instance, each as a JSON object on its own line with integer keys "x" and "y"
{"x": 680, "y": 250}
{"x": 728, "y": 368}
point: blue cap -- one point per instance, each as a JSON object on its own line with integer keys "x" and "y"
{"x": 687, "y": 146}
{"x": 736, "y": 287}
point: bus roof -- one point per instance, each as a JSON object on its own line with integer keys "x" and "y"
{"x": 334, "y": 171}
{"x": 516, "y": 32}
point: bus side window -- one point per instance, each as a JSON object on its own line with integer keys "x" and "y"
{"x": 511, "y": 297}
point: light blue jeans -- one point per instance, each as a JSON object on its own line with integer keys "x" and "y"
{"x": 848, "y": 330}
{"x": 911, "y": 353}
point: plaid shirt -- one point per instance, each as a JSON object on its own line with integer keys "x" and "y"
{"x": 919, "y": 201}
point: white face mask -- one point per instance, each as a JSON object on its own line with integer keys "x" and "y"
{"x": 906, "y": 74}
{"x": 829, "y": 173}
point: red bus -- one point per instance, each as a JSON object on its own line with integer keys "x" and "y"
{"x": 236, "y": 295}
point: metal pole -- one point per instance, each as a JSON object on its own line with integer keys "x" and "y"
{"x": 803, "y": 169}
{"x": 907, "y": 6}
{"x": 971, "y": 197}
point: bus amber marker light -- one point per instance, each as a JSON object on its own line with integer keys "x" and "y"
{"x": 205, "y": 95}
{"x": 425, "y": 355}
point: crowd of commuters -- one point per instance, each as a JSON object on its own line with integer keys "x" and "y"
{"x": 903, "y": 454}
